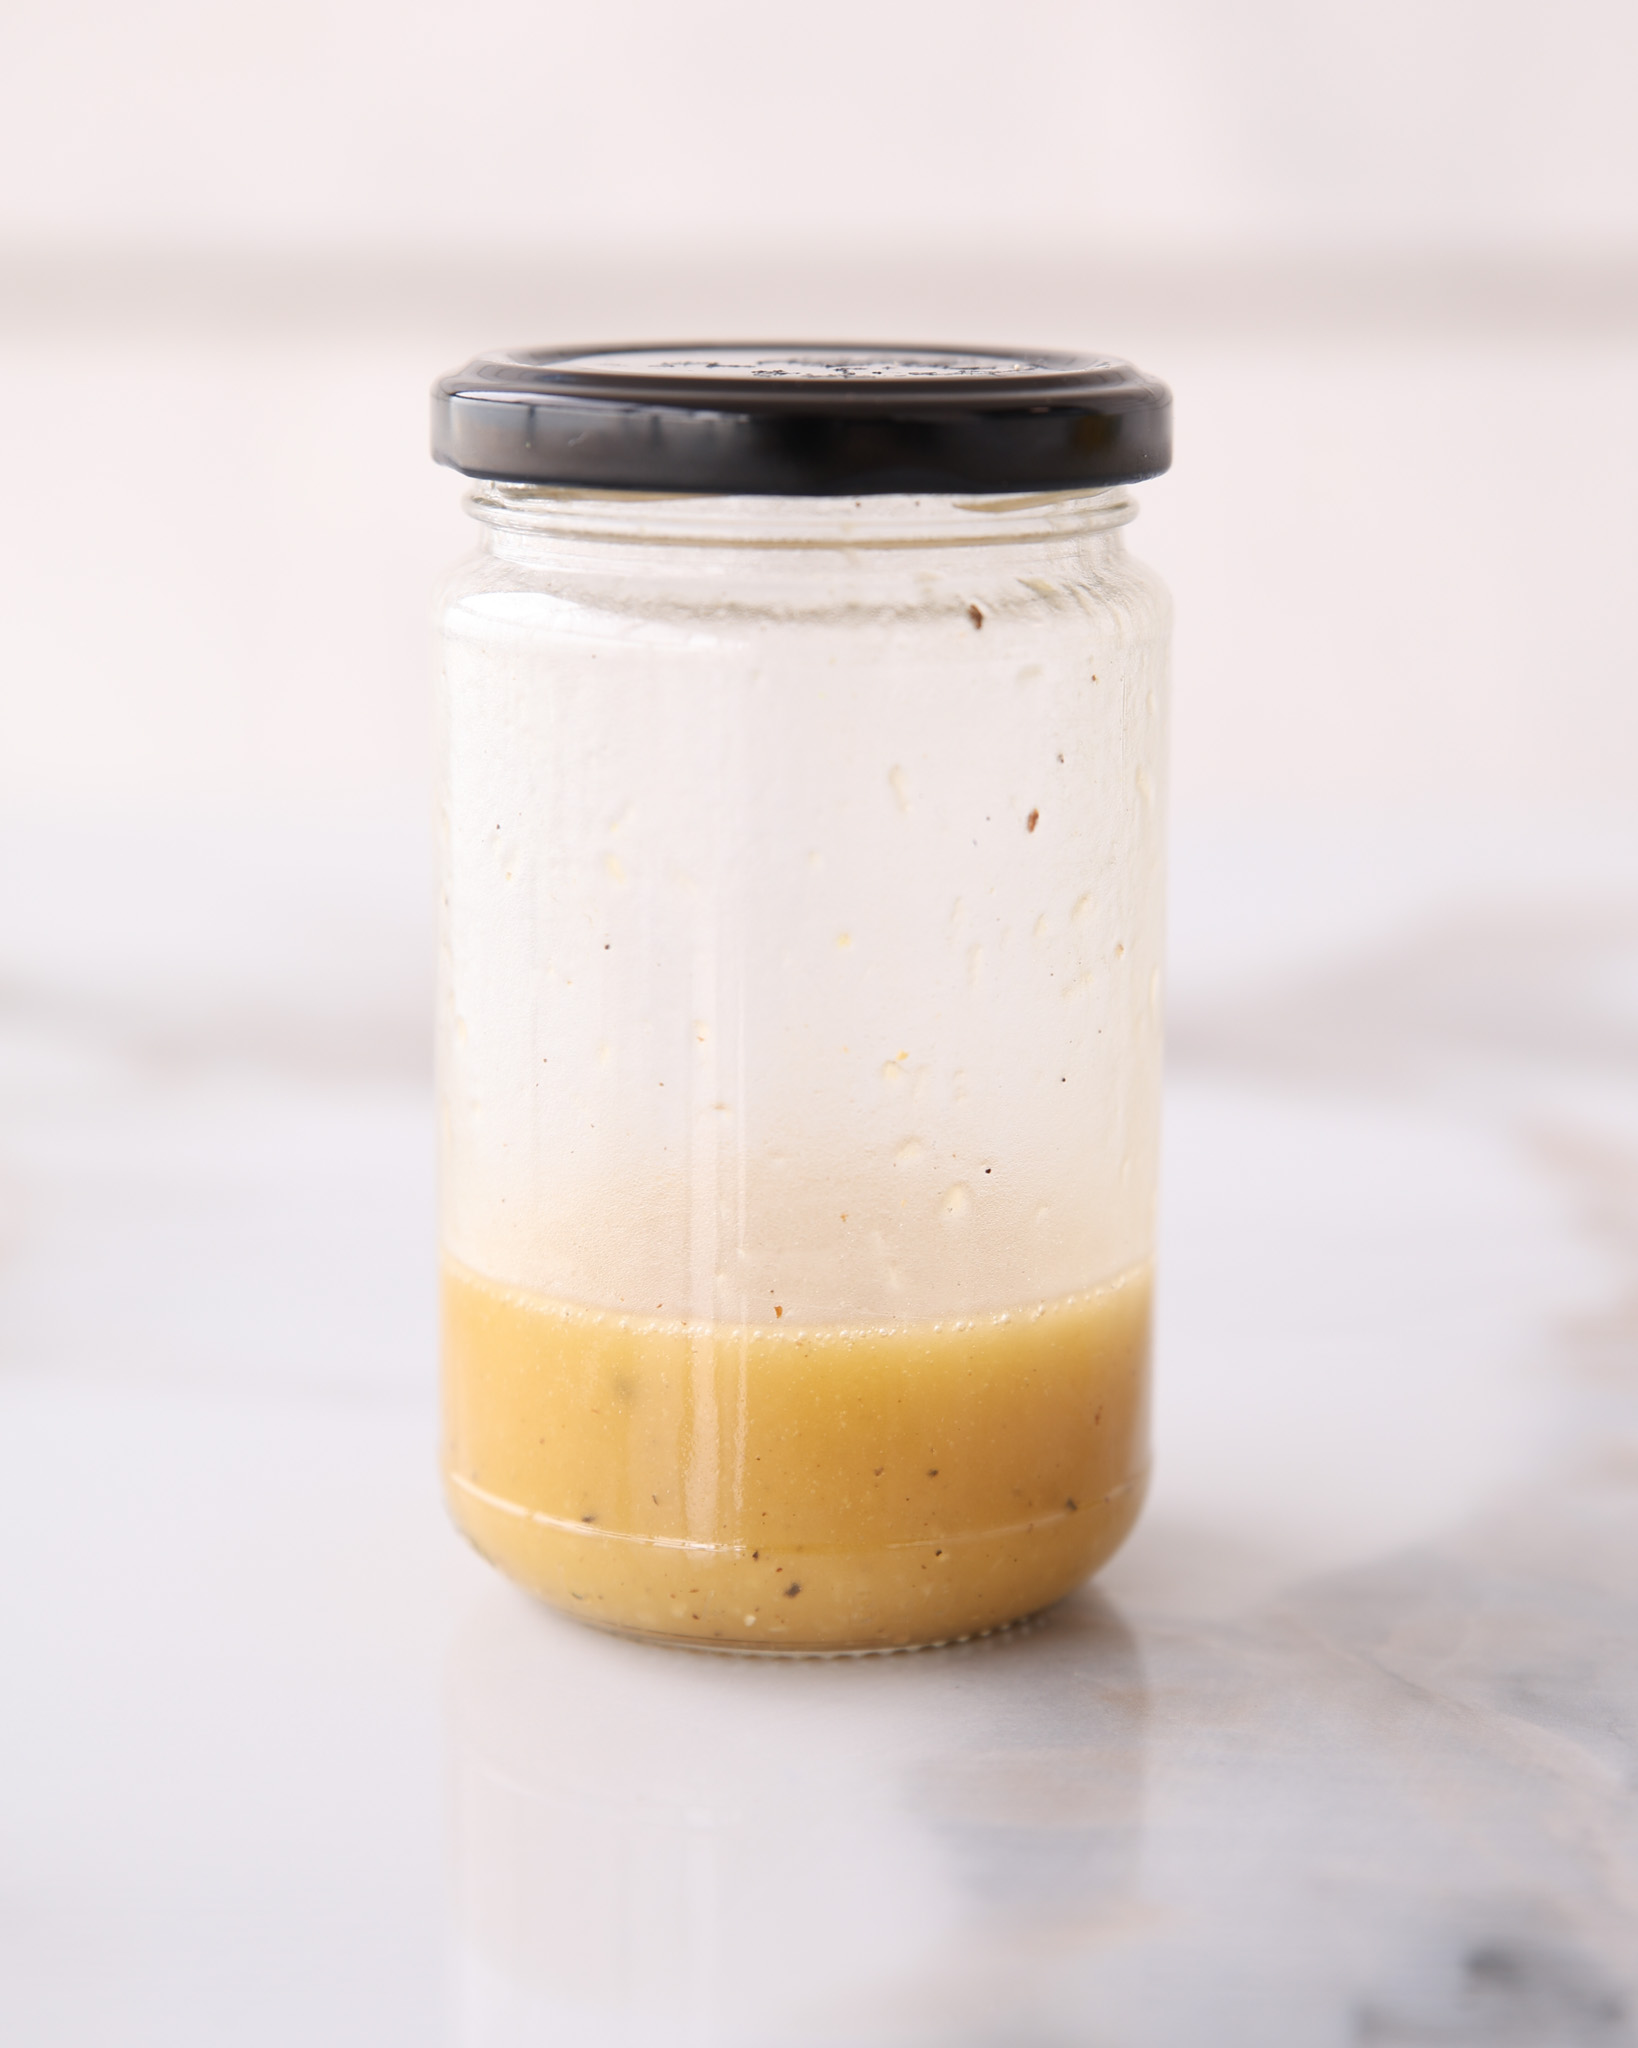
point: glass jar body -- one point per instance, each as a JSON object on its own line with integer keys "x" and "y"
{"x": 799, "y": 1055}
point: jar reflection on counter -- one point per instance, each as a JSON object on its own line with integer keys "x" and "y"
{"x": 632, "y": 1847}
{"x": 800, "y": 1053}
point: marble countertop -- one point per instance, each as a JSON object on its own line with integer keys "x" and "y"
{"x": 1342, "y": 1749}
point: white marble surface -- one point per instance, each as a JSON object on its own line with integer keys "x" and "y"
{"x": 1343, "y": 1750}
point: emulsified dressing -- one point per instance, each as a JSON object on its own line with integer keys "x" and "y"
{"x": 790, "y": 1486}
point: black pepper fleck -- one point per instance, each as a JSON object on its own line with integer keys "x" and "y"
{"x": 792, "y": 1590}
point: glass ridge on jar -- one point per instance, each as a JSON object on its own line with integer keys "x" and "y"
{"x": 799, "y": 1053}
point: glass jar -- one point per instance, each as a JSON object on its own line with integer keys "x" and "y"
{"x": 802, "y": 723}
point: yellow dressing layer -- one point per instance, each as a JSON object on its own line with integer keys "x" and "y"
{"x": 787, "y": 1487}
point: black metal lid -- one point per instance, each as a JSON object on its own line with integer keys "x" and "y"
{"x": 802, "y": 420}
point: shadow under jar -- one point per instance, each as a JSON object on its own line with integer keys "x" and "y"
{"x": 802, "y": 722}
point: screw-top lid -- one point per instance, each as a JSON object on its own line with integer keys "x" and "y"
{"x": 802, "y": 420}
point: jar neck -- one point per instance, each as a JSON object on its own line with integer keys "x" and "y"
{"x": 517, "y": 517}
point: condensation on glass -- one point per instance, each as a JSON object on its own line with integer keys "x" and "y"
{"x": 800, "y": 1006}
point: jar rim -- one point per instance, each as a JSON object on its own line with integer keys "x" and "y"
{"x": 868, "y": 522}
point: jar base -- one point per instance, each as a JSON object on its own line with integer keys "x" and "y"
{"x": 799, "y": 1602}
{"x": 765, "y": 1652}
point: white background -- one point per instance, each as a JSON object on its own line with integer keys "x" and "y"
{"x": 1067, "y": 125}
